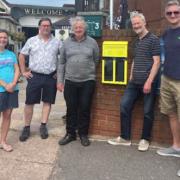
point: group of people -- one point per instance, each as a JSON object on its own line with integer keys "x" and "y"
{"x": 71, "y": 68}
{"x": 143, "y": 78}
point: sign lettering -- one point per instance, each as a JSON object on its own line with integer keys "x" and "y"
{"x": 94, "y": 25}
{"x": 38, "y": 11}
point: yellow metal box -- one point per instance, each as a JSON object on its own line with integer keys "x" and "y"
{"x": 115, "y": 49}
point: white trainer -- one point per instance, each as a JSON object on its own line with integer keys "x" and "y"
{"x": 178, "y": 173}
{"x": 143, "y": 145}
{"x": 119, "y": 141}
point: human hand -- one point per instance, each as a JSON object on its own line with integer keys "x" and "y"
{"x": 10, "y": 87}
{"x": 147, "y": 87}
{"x": 27, "y": 74}
{"x": 60, "y": 87}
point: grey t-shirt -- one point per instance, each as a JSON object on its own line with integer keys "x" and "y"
{"x": 78, "y": 60}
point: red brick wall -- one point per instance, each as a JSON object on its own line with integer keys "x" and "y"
{"x": 105, "y": 119}
{"x": 153, "y": 11}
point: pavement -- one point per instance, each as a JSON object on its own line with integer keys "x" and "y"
{"x": 39, "y": 159}
{"x": 101, "y": 161}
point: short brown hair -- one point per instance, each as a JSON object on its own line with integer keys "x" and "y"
{"x": 44, "y": 19}
{"x": 4, "y": 31}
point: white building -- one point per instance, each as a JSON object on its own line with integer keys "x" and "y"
{"x": 26, "y": 17}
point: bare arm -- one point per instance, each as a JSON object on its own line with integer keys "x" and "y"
{"x": 131, "y": 72}
{"x": 22, "y": 63}
{"x": 24, "y": 71}
{"x": 16, "y": 74}
{"x": 152, "y": 75}
{"x": 10, "y": 86}
{"x": 2, "y": 83}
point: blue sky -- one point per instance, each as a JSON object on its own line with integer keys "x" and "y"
{"x": 57, "y": 3}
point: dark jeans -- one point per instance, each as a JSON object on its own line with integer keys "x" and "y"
{"x": 132, "y": 92}
{"x": 78, "y": 97}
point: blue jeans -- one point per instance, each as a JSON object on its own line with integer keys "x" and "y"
{"x": 132, "y": 92}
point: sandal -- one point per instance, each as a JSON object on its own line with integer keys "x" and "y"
{"x": 6, "y": 147}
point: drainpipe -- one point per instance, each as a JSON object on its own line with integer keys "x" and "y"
{"x": 111, "y": 14}
{"x": 101, "y": 4}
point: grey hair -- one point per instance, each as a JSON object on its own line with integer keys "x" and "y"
{"x": 172, "y": 2}
{"x": 76, "y": 19}
{"x": 137, "y": 14}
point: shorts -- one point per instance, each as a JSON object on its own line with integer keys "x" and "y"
{"x": 170, "y": 96}
{"x": 8, "y": 100}
{"x": 41, "y": 87}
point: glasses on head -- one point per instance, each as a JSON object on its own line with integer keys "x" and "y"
{"x": 169, "y": 13}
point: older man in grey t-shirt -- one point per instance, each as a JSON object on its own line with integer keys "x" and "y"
{"x": 77, "y": 69}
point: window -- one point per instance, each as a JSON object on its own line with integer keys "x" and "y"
{"x": 114, "y": 62}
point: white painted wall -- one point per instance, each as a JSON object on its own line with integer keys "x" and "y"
{"x": 32, "y": 21}
{"x": 4, "y": 6}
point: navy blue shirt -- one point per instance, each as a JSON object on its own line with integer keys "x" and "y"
{"x": 171, "y": 39}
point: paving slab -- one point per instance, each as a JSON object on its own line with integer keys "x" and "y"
{"x": 35, "y": 158}
{"x": 39, "y": 159}
{"x": 102, "y": 161}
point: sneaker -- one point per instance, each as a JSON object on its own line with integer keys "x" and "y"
{"x": 43, "y": 132}
{"x": 178, "y": 173}
{"x": 25, "y": 134}
{"x": 169, "y": 152}
{"x": 143, "y": 145}
{"x": 119, "y": 141}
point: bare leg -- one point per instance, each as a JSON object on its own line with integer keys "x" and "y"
{"x": 6, "y": 120}
{"x": 28, "y": 113}
{"x": 45, "y": 112}
{"x": 175, "y": 129}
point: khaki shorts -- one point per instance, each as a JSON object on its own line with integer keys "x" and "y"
{"x": 170, "y": 96}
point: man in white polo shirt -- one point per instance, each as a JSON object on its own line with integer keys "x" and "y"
{"x": 43, "y": 50}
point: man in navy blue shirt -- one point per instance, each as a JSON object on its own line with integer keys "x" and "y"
{"x": 170, "y": 81}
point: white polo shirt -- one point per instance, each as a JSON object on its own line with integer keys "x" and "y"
{"x": 43, "y": 56}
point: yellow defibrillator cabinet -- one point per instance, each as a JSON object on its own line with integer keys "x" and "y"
{"x": 114, "y": 62}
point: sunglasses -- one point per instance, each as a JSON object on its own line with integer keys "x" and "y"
{"x": 169, "y": 13}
